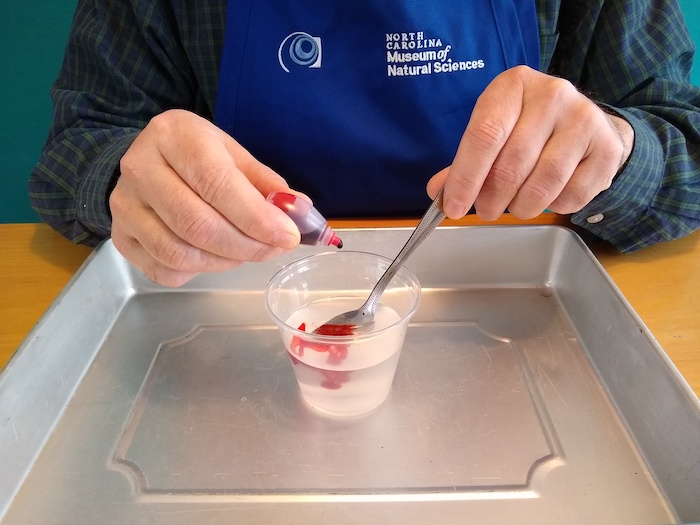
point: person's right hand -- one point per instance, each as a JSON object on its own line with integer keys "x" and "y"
{"x": 190, "y": 199}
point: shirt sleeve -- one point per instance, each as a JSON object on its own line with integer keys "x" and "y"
{"x": 636, "y": 57}
{"x": 125, "y": 62}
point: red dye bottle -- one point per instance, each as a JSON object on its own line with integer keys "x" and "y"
{"x": 312, "y": 225}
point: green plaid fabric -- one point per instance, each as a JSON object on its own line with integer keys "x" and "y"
{"x": 128, "y": 60}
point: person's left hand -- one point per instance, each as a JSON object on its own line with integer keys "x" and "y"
{"x": 533, "y": 142}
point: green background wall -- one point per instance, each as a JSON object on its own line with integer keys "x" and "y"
{"x": 32, "y": 37}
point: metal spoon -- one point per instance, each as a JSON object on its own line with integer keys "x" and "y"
{"x": 362, "y": 319}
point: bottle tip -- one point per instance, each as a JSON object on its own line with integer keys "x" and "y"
{"x": 335, "y": 241}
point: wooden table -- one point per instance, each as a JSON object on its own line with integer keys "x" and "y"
{"x": 662, "y": 283}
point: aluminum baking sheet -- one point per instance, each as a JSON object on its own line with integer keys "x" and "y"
{"x": 528, "y": 391}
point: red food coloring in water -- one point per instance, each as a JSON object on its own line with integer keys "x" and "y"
{"x": 334, "y": 379}
{"x": 337, "y": 353}
{"x": 297, "y": 344}
{"x": 335, "y": 329}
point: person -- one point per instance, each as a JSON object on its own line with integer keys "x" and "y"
{"x": 173, "y": 121}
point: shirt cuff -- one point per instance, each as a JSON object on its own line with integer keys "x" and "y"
{"x": 614, "y": 215}
{"x": 97, "y": 185}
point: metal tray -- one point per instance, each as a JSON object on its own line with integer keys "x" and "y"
{"x": 528, "y": 391}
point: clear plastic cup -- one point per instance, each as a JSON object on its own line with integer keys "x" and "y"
{"x": 341, "y": 375}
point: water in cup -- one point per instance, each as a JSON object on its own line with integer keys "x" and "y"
{"x": 343, "y": 375}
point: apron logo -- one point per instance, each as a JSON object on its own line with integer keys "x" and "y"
{"x": 413, "y": 54}
{"x": 300, "y": 50}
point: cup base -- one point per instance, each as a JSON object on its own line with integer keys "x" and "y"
{"x": 344, "y": 415}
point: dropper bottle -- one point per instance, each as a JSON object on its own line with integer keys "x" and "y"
{"x": 312, "y": 225}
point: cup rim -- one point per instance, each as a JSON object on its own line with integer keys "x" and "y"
{"x": 404, "y": 271}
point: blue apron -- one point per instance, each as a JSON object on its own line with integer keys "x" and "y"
{"x": 358, "y": 103}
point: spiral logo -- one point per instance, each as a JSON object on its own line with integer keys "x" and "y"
{"x": 300, "y": 49}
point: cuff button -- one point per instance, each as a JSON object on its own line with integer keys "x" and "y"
{"x": 595, "y": 219}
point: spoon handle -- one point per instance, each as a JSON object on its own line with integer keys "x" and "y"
{"x": 432, "y": 217}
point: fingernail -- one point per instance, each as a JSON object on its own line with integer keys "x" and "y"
{"x": 454, "y": 209}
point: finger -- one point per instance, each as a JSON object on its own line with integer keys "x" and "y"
{"x": 436, "y": 182}
{"x": 558, "y": 158}
{"x": 591, "y": 176}
{"x": 262, "y": 177}
{"x": 578, "y": 192}
{"x": 198, "y": 223}
{"x": 132, "y": 251}
{"x": 493, "y": 119}
{"x": 200, "y": 154}
{"x": 165, "y": 258}
{"x": 262, "y": 180}
{"x": 578, "y": 162}
{"x": 517, "y": 159}
{"x": 548, "y": 179}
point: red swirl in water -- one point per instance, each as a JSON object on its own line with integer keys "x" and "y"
{"x": 337, "y": 353}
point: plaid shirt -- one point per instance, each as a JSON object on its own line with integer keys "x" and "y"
{"x": 128, "y": 60}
